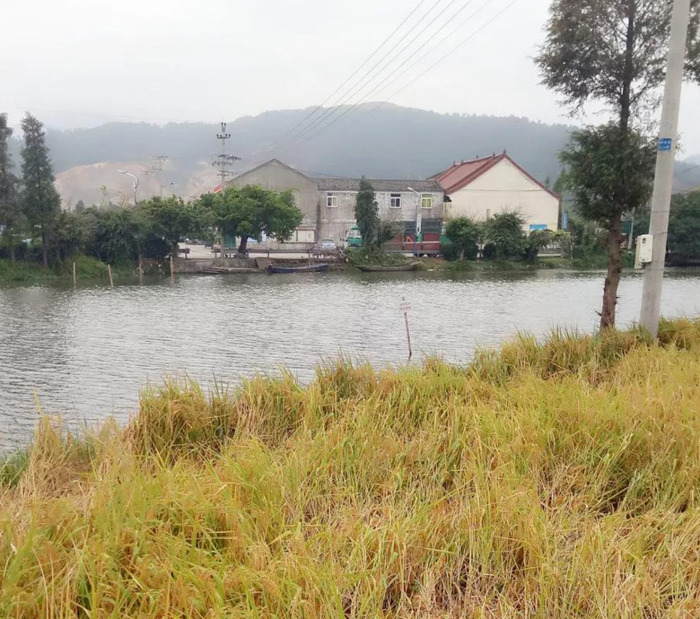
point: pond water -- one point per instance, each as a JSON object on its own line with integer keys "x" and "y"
{"x": 86, "y": 353}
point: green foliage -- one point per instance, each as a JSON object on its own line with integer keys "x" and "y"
{"x": 12, "y": 220}
{"x": 537, "y": 240}
{"x": 464, "y": 235}
{"x": 40, "y": 200}
{"x": 251, "y": 211}
{"x": 684, "y": 228}
{"x": 388, "y": 231}
{"x": 367, "y": 215}
{"x": 609, "y": 172}
{"x": 613, "y": 51}
{"x": 169, "y": 219}
{"x": 505, "y": 232}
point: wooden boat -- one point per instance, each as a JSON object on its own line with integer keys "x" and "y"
{"x": 226, "y": 270}
{"x": 312, "y": 268}
{"x": 367, "y": 268}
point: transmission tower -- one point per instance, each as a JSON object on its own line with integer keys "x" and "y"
{"x": 224, "y": 162}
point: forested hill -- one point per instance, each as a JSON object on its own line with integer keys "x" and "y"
{"x": 386, "y": 141}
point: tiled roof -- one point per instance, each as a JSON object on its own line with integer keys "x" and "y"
{"x": 398, "y": 186}
{"x": 462, "y": 174}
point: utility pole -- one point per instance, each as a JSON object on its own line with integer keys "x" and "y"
{"x": 223, "y": 163}
{"x": 666, "y": 156}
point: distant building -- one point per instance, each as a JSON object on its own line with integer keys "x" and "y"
{"x": 328, "y": 204}
{"x": 485, "y": 187}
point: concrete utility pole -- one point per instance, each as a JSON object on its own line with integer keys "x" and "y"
{"x": 223, "y": 163}
{"x": 663, "y": 184}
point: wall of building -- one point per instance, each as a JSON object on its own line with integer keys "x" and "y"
{"x": 505, "y": 188}
{"x": 336, "y": 222}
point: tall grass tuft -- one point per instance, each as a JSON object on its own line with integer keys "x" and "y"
{"x": 548, "y": 479}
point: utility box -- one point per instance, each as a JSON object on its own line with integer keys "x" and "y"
{"x": 645, "y": 250}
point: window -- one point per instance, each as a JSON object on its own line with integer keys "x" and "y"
{"x": 426, "y": 200}
{"x": 331, "y": 200}
{"x": 395, "y": 200}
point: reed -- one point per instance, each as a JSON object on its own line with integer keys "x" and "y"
{"x": 548, "y": 479}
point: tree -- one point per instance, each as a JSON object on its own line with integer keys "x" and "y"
{"x": 464, "y": 234}
{"x": 250, "y": 212}
{"x": 537, "y": 240}
{"x": 40, "y": 200}
{"x": 614, "y": 52}
{"x": 505, "y": 232}
{"x": 684, "y": 228}
{"x": 169, "y": 219}
{"x": 609, "y": 173}
{"x": 11, "y": 217}
{"x": 367, "y": 215}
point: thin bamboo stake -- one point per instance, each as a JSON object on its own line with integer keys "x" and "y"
{"x": 111, "y": 279}
{"x": 75, "y": 277}
{"x": 172, "y": 271}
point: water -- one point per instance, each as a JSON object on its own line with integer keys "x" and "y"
{"x": 86, "y": 353}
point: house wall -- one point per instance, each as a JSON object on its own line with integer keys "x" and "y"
{"x": 505, "y": 188}
{"x": 336, "y": 222}
{"x": 277, "y": 177}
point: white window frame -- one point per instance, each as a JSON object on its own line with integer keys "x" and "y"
{"x": 429, "y": 197}
{"x": 392, "y": 197}
{"x": 331, "y": 200}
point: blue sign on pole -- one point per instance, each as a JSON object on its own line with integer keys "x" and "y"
{"x": 665, "y": 144}
{"x": 565, "y": 221}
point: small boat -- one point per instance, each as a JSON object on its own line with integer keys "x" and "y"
{"x": 226, "y": 270}
{"x": 367, "y": 268}
{"x": 312, "y": 268}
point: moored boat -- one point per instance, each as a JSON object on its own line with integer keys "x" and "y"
{"x": 312, "y": 268}
{"x": 367, "y": 268}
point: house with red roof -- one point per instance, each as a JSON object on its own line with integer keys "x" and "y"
{"x": 487, "y": 186}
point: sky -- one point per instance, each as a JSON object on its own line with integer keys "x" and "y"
{"x": 79, "y": 63}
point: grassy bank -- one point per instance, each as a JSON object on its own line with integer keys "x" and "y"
{"x": 88, "y": 270}
{"x": 554, "y": 480}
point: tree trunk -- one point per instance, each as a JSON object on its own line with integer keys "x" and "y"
{"x": 243, "y": 247}
{"x": 612, "y": 281}
{"x": 45, "y": 247}
{"x": 12, "y": 252}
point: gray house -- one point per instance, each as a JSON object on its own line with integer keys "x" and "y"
{"x": 328, "y": 204}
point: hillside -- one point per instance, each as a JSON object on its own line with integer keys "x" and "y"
{"x": 384, "y": 141}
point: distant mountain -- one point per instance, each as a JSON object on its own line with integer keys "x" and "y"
{"x": 377, "y": 141}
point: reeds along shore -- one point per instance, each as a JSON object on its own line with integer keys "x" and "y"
{"x": 555, "y": 479}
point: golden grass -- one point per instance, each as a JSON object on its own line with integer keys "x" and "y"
{"x": 547, "y": 480}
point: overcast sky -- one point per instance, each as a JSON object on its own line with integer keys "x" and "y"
{"x": 85, "y": 62}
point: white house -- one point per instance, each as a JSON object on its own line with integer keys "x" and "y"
{"x": 484, "y": 187}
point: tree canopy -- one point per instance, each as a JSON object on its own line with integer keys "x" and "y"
{"x": 464, "y": 234}
{"x": 11, "y": 217}
{"x": 367, "y": 215}
{"x": 250, "y": 212}
{"x": 504, "y": 232}
{"x": 613, "y": 51}
{"x": 40, "y": 200}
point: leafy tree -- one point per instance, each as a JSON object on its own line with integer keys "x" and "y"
{"x": 538, "y": 239}
{"x": 505, "y": 232}
{"x": 169, "y": 219}
{"x": 609, "y": 173}
{"x": 464, "y": 234}
{"x": 251, "y": 211}
{"x": 613, "y": 52}
{"x": 367, "y": 215}
{"x": 684, "y": 228}
{"x": 40, "y": 200}
{"x": 12, "y": 220}
{"x": 80, "y": 206}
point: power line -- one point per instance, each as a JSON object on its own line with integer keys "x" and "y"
{"x": 430, "y": 68}
{"x": 353, "y": 74}
{"x": 354, "y": 90}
